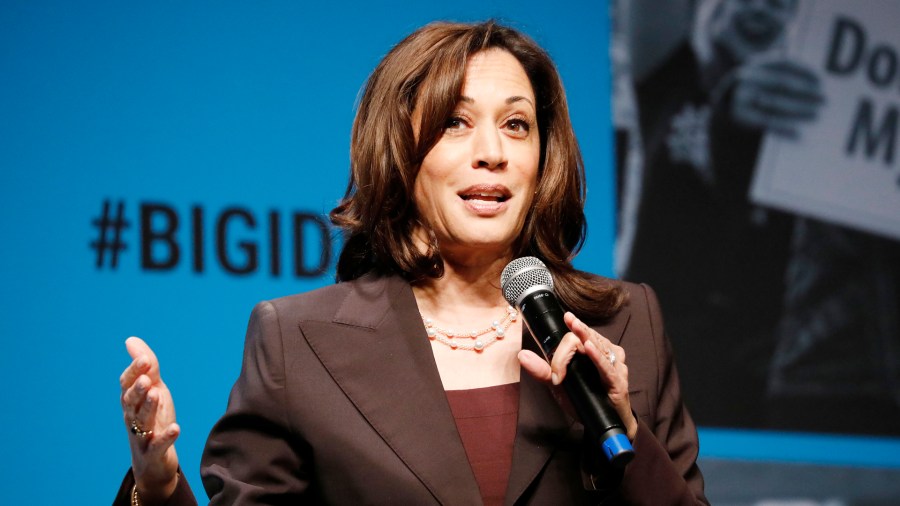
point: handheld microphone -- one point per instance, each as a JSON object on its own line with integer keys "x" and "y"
{"x": 527, "y": 285}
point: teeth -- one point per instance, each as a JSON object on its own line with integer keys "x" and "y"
{"x": 481, "y": 196}
{"x": 485, "y": 194}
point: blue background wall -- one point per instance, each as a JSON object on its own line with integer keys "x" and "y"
{"x": 183, "y": 104}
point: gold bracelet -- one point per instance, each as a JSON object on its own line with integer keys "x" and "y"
{"x": 135, "y": 500}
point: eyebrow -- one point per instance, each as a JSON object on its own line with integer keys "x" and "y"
{"x": 511, "y": 100}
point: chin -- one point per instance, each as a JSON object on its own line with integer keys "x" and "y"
{"x": 499, "y": 246}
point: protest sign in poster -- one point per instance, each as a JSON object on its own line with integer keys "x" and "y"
{"x": 844, "y": 167}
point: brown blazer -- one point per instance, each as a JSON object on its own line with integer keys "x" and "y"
{"x": 339, "y": 401}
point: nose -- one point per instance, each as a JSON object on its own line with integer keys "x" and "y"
{"x": 487, "y": 151}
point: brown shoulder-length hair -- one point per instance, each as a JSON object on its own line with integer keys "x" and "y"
{"x": 378, "y": 215}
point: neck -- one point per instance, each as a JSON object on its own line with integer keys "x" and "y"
{"x": 468, "y": 298}
{"x": 471, "y": 279}
{"x": 472, "y": 284}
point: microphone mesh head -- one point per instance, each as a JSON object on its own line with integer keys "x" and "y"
{"x": 522, "y": 274}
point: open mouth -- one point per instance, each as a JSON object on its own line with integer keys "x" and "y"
{"x": 486, "y": 193}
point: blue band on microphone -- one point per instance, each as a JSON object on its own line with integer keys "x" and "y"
{"x": 615, "y": 445}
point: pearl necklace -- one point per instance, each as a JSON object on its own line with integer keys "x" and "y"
{"x": 475, "y": 340}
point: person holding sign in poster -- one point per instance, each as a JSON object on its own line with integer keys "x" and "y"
{"x": 687, "y": 225}
{"x": 762, "y": 298}
{"x": 843, "y": 182}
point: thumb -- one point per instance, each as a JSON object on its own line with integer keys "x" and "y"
{"x": 535, "y": 365}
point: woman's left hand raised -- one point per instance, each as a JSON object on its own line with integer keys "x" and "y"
{"x": 149, "y": 415}
{"x": 608, "y": 358}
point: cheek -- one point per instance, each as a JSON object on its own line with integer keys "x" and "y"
{"x": 437, "y": 167}
{"x": 428, "y": 196}
{"x": 423, "y": 197}
{"x": 531, "y": 167}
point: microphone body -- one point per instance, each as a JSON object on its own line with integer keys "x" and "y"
{"x": 544, "y": 318}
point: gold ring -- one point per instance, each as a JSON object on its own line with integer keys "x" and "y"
{"x": 138, "y": 431}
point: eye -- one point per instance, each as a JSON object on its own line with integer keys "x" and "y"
{"x": 454, "y": 123}
{"x": 518, "y": 127}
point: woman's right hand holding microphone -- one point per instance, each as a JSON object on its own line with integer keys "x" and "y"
{"x": 150, "y": 418}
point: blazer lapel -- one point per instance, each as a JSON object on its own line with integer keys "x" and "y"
{"x": 377, "y": 351}
{"x": 541, "y": 421}
{"x": 614, "y": 328}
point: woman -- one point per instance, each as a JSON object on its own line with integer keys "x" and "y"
{"x": 401, "y": 384}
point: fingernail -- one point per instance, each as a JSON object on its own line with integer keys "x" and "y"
{"x": 141, "y": 363}
{"x": 554, "y": 379}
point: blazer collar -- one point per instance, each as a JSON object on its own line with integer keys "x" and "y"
{"x": 614, "y": 328}
{"x": 383, "y": 362}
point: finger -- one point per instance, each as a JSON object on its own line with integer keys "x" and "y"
{"x": 137, "y": 348}
{"x": 785, "y": 106}
{"x": 137, "y": 367}
{"x": 777, "y": 64}
{"x": 146, "y": 414}
{"x": 164, "y": 439}
{"x": 616, "y": 377}
{"x": 619, "y": 352}
{"x": 143, "y": 419}
{"x": 576, "y": 326}
{"x": 568, "y": 346}
{"x": 613, "y": 374}
{"x": 751, "y": 117}
{"x": 792, "y": 68}
{"x": 784, "y": 84}
{"x": 535, "y": 365}
{"x": 610, "y": 361}
{"x": 584, "y": 332}
{"x": 602, "y": 362}
{"x": 134, "y": 397}
{"x": 596, "y": 340}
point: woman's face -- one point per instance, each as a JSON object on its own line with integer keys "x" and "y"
{"x": 474, "y": 188}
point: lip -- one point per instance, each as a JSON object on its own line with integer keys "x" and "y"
{"x": 494, "y": 198}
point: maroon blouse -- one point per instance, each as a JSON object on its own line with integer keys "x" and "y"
{"x": 486, "y": 420}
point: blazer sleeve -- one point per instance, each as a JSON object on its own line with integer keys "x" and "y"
{"x": 252, "y": 455}
{"x": 182, "y": 496}
{"x": 664, "y": 469}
